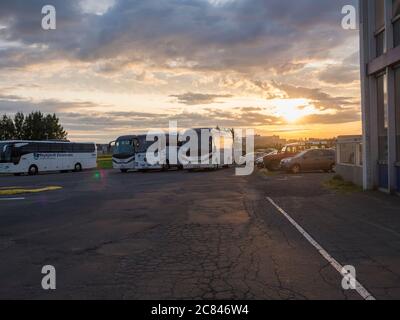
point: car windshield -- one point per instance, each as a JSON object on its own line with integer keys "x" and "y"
{"x": 5, "y": 153}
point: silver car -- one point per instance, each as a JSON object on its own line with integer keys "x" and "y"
{"x": 310, "y": 160}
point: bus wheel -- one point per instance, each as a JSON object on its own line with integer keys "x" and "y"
{"x": 33, "y": 170}
{"x": 166, "y": 167}
{"x": 124, "y": 170}
{"x": 78, "y": 167}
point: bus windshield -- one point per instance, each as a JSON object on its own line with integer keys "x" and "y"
{"x": 125, "y": 146}
{"x": 5, "y": 153}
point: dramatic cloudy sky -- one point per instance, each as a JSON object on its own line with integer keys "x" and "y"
{"x": 124, "y": 66}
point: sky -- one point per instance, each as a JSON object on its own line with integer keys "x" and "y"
{"x": 116, "y": 67}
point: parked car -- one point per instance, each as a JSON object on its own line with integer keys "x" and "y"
{"x": 273, "y": 161}
{"x": 257, "y": 156}
{"x": 259, "y": 162}
{"x": 309, "y": 160}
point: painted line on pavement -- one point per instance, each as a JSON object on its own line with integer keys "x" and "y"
{"x": 11, "y": 199}
{"x": 336, "y": 265}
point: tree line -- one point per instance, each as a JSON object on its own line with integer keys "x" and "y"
{"x": 34, "y": 126}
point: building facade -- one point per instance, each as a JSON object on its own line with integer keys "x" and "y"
{"x": 380, "y": 85}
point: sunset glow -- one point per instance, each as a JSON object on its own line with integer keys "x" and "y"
{"x": 205, "y": 67}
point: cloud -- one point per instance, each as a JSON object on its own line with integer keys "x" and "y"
{"x": 344, "y": 73}
{"x": 191, "y": 98}
{"x": 167, "y": 46}
{"x": 195, "y": 34}
{"x": 79, "y": 117}
{"x": 320, "y": 99}
{"x": 344, "y": 116}
{"x": 13, "y": 104}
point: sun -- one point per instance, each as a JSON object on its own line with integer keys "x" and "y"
{"x": 292, "y": 115}
{"x": 291, "y": 110}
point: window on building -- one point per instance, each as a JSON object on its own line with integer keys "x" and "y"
{"x": 396, "y": 8}
{"x": 380, "y": 43}
{"x": 382, "y": 117}
{"x": 396, "y": 22}
{"x": 380, "y": 27}
{"x": 379, "y": 14}
{"x": 397, "y": 95}
{"x": 396, "y": 32}
{"x": 347, "y": 152}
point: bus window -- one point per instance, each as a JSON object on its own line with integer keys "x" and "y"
{"x": 56, "y": 147}
{"x": 5, "y": 153}
{"x": 15, "y": 154}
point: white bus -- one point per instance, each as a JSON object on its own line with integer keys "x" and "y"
{"x": 32, "y": 157}
{"x": 123, "y": 158}
{"x": 130, "y": 153}
{"x": 219, "y": 152}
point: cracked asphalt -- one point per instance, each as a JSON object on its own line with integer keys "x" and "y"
{"x": 202, "y": 235}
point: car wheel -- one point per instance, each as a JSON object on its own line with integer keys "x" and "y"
{"x": 124, "y": 170}
{"x": 274, "y": 166}
{"x": 78, "y": 167}
{"x": 33, "y": 170}
{"x": 333, "y": 168}
{"x": 295, "y": 169}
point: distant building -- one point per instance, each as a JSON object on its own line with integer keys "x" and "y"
{"x": 380, "y": 84}
{"x": 268, "y": 141}
{"x": 104, "y": 149}
{"x": 349, "y": 158}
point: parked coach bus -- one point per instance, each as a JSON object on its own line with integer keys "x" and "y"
{"x": 32, "y": 157}
{"x": 220, "y": 145}
{"x": 130, "y": 154}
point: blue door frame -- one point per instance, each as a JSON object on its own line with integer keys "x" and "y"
{"x": 383, "y": 170}
{"x": 398, "y": 178}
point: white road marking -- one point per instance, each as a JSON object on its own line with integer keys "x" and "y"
{"x": 336, "y": 265}
{"x": 11, "y": 199}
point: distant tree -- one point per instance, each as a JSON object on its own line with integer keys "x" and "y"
{"x": 232, "y": 130}
{"x": 53, "y": 128}
{"x": 7, "y": 128}
{"x": 35, "y": 126}
{"x": 19, "y": 120}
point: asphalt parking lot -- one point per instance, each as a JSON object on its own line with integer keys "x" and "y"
{"x": 201, "y": 235}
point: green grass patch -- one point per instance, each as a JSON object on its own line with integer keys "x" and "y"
{"x": 104, "y": 163}
{"x": 337, "y": 183}
{"x": 104, "y": 157}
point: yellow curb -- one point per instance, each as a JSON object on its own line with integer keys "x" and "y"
{"x": 12, "y": 191}
{"x": 7, "y": 188}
